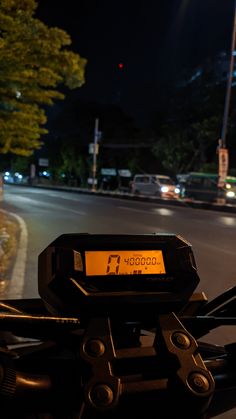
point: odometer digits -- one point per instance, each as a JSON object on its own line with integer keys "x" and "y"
{"x": 124, "y": 262}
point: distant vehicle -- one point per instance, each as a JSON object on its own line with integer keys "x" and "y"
{"x": 16, "y": 177}
{"x": 230, "y": 186}
{"x": 204, "y": 187}
{"x": 154, "y": 184}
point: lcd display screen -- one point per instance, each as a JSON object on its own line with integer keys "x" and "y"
{"x": 124, "y": 262}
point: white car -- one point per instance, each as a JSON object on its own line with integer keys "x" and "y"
{"x": 154, "y": 184}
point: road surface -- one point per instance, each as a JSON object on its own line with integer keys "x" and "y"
{"x": 50, "y": 213}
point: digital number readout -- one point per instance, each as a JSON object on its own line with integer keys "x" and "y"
{"x": 124, "y": 262}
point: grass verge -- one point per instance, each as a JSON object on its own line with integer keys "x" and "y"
{"x": 9, "y": 232}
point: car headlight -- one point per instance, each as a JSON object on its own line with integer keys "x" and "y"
{"x": 164, "y": 189}
{"x": 230, "y": 194}
{"x": 177, "y": 190}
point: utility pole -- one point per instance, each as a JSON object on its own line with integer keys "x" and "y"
{"x": 95, "y": 152}
{"x": 222, "y": 150}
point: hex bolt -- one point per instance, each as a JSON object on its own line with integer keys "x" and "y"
{"x": 94, "y": 347}
{"x": 181, "y": 340}
{"x": 102, "y": 395}
{"x": 199, "y": 382}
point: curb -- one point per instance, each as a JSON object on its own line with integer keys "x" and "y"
{"x": 14, "y": 284}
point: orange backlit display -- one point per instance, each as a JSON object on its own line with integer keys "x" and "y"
{"x": 124, "y": 262}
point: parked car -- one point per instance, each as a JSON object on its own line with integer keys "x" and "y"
{"x": 154, "y": 184}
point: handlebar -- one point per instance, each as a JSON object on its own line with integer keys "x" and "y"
{"x": 117, "y": 329}
{"x": 54, "y": 365}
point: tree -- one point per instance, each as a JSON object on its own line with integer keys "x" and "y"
{"x": 173, "y": 151}
{"x": 188, "y": 148}
{"x": 35, "y": 61}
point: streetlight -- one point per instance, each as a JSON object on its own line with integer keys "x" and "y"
{"x": 223, "y": 152}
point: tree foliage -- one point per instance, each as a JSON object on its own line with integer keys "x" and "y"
{"x": 35, "y": 61}
{"x": 188, "y": 136}
{"x": 182, "y": 150}
{"x": 172, "y": 150}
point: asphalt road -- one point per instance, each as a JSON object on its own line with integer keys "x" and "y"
{"x": 50, "y": 213}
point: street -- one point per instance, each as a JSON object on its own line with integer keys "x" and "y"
{"x": 50, "y": 213}
{"x": 46, "y": 214}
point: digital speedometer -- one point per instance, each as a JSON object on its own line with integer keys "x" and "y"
{"x": 124, "y": 262}
{"x": 83, "y": 273}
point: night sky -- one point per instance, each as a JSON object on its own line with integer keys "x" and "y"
{"x": 154, "y": 39}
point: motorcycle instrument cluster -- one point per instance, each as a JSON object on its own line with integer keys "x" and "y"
{"x": 105, "y": 270}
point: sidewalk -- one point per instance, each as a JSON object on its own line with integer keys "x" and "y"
{"x": 9, "y": 235}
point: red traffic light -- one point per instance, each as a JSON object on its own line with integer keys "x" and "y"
{"x": 120, "y": 66}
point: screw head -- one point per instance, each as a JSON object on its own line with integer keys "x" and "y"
{"x": 94, "y": 347}
{"x": 181, "y": 340}
{"x": 199, "y": 382}
{"x": 102, "y": 395}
